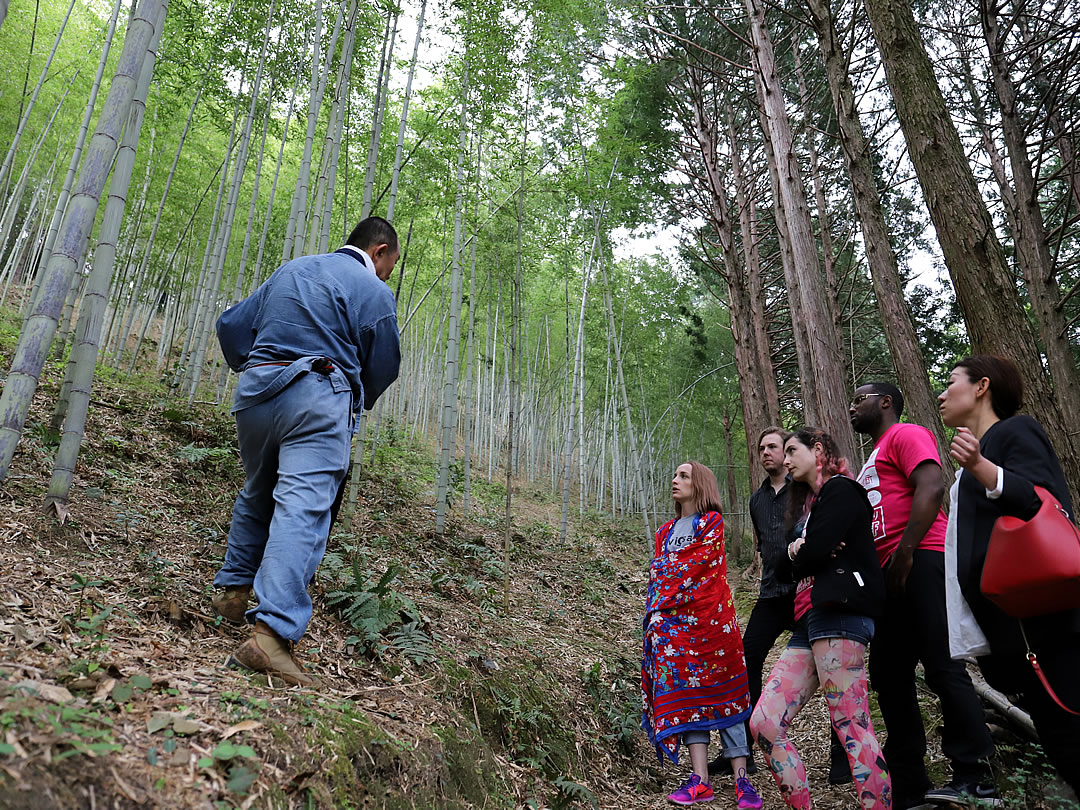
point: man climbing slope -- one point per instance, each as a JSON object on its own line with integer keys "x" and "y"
{"x": 315, "y": 342}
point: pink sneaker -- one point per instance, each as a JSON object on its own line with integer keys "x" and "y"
{"x": 694, "y": 791}
{"x": 745, "y": 793}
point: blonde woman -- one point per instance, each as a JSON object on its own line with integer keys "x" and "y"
{"x": 693, "y": 670}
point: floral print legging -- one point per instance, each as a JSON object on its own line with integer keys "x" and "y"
{"x": 838, "y": 666}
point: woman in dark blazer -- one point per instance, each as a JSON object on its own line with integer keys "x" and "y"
{"x": 1004, "y": 455}
{"x": 841, "y": 588}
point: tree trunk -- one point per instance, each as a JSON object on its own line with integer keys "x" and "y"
{"x": 884, "y": 273}
{"x": 986, "y": 132}
{"x": 124, "y": 330}
{"x": 451, "y": 370}
{"x": 80, "y": 142}
{"x": 752, "y": 377}
{"x": 1029, "y": 237}
{"x": 1063, "y": 134}
{"x": 467, "y": 398}
{"x": 254, "y": 203}
{"x": 9, "y": 159}
{"x": 40, "y": 328}
{"x": 985, "y": 289}
{"x": 824, "y": 390}
{"x": 294, "y": 231}
{"x": 88, "y": 335}
{"x": 345, "y": 77}
{"x": 513, "y": 370}
{"x": 381, "y": 100}
{"x": 238, "y": 287}
{"x": 748, "y": 228}
{"x": 732, "y": 532}
{"x": 404, "y": 116}
{"x": 258, "y": 274}
{"x": 824, "y": 230}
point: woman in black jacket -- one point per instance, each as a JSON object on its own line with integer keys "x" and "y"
{"x": 840, "y": 589}
{"x": 1004, "y": 455}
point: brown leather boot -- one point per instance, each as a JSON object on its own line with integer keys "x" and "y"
{"x": 232, "y": 603}
{"x": 267, "y": 652}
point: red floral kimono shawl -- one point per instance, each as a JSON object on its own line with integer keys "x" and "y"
{"x": 693, "y": 670}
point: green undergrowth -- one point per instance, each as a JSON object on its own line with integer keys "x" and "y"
{"x": 355, "y": 761}
{"x": 362, "y": 765}
{"x": 441, "y": 699}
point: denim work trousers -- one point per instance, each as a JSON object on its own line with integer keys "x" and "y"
{"x": 734, "y": 740}
{"x": 915, "y": 628}
{"x": 295, "y": 449}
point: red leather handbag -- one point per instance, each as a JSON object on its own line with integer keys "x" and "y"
{"x": 1032, "y": 566}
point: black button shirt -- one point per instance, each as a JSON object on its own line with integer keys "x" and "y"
{"x": 767, "y": 511}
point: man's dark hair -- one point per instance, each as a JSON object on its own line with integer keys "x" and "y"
{"x": 783, "y": 434}
{"x": 1006, "y": 384}
{"x": 373, "y": 231}
{"x": 891, "y": 391}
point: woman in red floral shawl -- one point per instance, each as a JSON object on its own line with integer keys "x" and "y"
{"x": 693, "y": 670}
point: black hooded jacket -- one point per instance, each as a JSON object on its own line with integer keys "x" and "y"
{"x": 852, "y": 580}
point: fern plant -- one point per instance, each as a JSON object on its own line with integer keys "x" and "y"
{"x": 382, "y": 618}
{"x": 412, "y": 642}
{"x": 569, "y": 794}
{"x": 616, "y": 702}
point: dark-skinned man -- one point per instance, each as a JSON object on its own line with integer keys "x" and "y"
{"x": 902, "y": 478}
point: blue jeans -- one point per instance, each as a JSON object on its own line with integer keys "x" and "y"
{"x": 295, "y": 449}
{"x": 733, "y": 740}
{"x": 827, "y": 622}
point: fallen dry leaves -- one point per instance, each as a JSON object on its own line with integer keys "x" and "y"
{"x": 113, "y": 691}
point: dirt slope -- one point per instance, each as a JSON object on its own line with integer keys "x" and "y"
{"x": 113, "y": 692}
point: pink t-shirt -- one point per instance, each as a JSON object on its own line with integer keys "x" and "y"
{"x": 885, "y": 476}
{"x": 804, "y": 586}
{"x": 802, "y": 597}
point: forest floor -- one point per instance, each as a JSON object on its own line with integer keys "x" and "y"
{"x": 114, "y": 693}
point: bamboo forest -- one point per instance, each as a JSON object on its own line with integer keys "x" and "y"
{"x": 631, "y": 235}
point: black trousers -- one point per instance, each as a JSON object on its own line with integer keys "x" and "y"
{"x": 769, "y": 618}
{"x": 915, "y": 628}
{"x": 1059, "y": 731}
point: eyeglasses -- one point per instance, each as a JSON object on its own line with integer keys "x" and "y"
{"x": 858, "y": 400}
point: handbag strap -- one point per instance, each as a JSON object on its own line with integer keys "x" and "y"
{"x": 1034, "y": 661}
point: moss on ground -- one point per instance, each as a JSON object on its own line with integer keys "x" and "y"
{"x": 361, "y": 764}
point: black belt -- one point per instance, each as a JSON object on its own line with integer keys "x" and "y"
{"x": 323, "y": 365}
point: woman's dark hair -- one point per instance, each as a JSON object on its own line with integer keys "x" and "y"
{"x": 1006, "y": 384}
{"x": 703, "y": 485}
{"x": 832, "y": 464}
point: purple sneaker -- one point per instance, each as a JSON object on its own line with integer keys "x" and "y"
{"x": 745, "y": 793}
{"x": 694, "y": 791}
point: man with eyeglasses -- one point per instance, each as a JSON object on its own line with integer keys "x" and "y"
{"x": 902, "y": 478}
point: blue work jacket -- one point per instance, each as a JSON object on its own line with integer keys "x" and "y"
{"x": 328, "y": 306}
